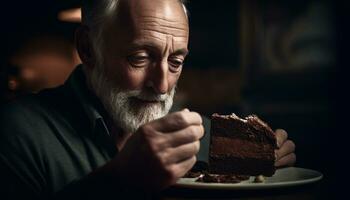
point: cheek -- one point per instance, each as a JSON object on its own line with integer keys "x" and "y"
{"x": 133, "y": 79}
{"x": 125, "y": 77}
{"x": 172, "y": 79}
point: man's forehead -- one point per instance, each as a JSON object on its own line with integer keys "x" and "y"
{"x": 165, "y": 11}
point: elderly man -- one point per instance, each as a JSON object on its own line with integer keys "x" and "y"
{"x": 107, "y": 129}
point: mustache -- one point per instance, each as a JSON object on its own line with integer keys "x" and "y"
{"x": 149, "y": 95}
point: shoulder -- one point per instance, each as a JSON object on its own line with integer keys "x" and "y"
{"x": 30, "y": 115}
{"x": 35, "y": 105}
{"x": 20, "y": 118}
{"x": 19, "y": 110}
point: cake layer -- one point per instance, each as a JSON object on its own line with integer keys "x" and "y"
{"x": 251, "y": 129}
{"x": 247, "y": 166}
{"x": 241, "y": 148}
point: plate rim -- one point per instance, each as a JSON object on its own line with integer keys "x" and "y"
{"x": 257, "y": 186}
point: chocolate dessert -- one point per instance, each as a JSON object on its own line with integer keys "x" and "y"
{"x": 241, "y": 146}
{"x": 221, "y": 178}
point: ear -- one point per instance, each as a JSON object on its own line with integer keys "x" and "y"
{"x": 84, "y": 46}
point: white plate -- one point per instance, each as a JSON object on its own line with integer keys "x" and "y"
{"x": 286, "y": 177}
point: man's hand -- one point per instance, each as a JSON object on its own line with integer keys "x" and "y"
{"x": 160, "y": 152}
{"x": 285, "y": 155}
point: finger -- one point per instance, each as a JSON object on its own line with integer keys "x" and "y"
{"x": 288, "y": 160}
{"x": 287, "y": 148}
{"x": 184, "y": 136}
{"x": 180, "y": 169}
{"x": 181, "y": 153}
{"x": 176, "y": 121}
{"x": 281, "y": 136}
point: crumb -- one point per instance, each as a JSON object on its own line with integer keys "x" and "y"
{"x": 259, "y": 179}
{"x": 221, "y": 178}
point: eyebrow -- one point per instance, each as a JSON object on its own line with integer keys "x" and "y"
{"x": 151, "y": 45}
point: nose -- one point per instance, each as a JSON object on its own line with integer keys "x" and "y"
{"x": 159, "y": 78}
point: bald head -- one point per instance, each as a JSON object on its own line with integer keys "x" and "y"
{"x": 167, "y": 9}
{"x": 94, "y": 13}
{"x": 166, "y": 17}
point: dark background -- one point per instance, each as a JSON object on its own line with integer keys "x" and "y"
{"x": 228, "y": 70}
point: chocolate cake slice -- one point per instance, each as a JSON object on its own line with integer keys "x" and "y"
{"x": 241, "y": 146}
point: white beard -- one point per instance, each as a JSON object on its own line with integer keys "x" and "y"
{"x": 124, "y": 106}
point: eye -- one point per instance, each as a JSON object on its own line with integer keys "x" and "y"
{"x": 140, "y": 59}
{"x": 175, "y": 63}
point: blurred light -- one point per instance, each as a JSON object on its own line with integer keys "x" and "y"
{"x": 70, "y": 15}
{"x": 13, "y": 83}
